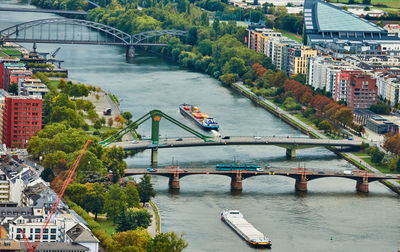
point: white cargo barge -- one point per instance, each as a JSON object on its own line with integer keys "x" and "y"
{"x": 247, "y": 231}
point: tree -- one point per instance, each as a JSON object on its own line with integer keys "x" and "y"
{"x": 132, "y": 195}
{"x": 167, "y": 242}
{"x": 380, "y": 108}
{"x": 325, "y": 126}
{"x": 127, "y": 116}
{"x": 205, "y": 47}
{"x": 392, "y": 143}
{"x": 228, "y": 79}
{"x": 366, "y": 2}
{"x": 299, "y": 78}
{"x": 95, "y": 199}
{"x": 235, "y": 65}
{"x": 47, "y": 175}
{"x": 115, "y": 202}
{"x": 145, "y": 188}
{"x": 132, "y": 219}
{"x": 376, "y": 155}
{"x": 344, "y": 115}
{"x": 13, "y": 88}
{"x": 110, "y": 122}
{"x": 97, "y": 125}
{"x": 132, "y": 240}
{"x": 192, "y": 36}
{"x": 113, "y": 161}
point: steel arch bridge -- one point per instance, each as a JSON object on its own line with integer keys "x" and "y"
{"x": 57, "y": 30}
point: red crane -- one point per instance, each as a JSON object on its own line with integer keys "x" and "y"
{"x": 29, "y": 246}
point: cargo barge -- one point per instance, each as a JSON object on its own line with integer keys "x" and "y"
{"x": 200, "y": 118}
{"x": 248, "y": 232}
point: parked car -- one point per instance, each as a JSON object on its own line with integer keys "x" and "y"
{"x": 226, "y": 137}
{"x": 135, "y": 141}
{"x": 151, "y": 170}
{"x": 179, "y": 139}
{"x": 107, "y": 111}
{"x": 257, "y": 138}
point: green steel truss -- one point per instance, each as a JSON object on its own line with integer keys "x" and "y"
{"x": 156, "y": 116}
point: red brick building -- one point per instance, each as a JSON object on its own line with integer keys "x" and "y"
{"x": 22, "y": 118}
{"x": 14, "y": 75}
{"x": 340, "y": 84}
{"x": 7, "y": 62}
{"x": 362, "y": 91}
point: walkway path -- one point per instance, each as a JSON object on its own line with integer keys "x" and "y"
{"x": 152, "y": 229}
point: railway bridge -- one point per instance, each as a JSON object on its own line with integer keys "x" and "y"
{"x": 301, "y": 176}
{"x": 70, "y": 31}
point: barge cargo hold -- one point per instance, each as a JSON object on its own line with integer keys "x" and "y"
{"x": 201, "y": 119}
{"x": 247, "y": 231}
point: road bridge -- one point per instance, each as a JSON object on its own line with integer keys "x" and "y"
{"x": 70, "y": 31}
{"x": 301, "y": 176}
{"x": 43, "y": 11}
{"x": 289, "y": 143}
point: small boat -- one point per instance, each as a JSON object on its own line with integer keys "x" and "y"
{"x": 248, "y": 232}
{"x": 201, "y": 119}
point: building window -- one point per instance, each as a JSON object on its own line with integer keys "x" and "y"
{"x": 52, "y": 237}
{"x": 53, "y": 230}
{"x": 37, "y": 230}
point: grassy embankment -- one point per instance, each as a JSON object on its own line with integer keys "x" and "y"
{"x": 9, "y": 52}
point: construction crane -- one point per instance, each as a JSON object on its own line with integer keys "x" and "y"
{"x": 29, "y": 246}
{"x": 54, "y": 53}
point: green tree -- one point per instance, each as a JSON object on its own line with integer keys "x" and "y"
{"x": 228, "y": 79}
{"x": 376, "y": 155}
{"x": 47, "y": 175}
{"x": 115, "y": 202}
{"x": 132, "y": 195}
{"x": 13, "y": 88}
{"x": 192, "y": 36}
{"x": 97, "y": 125}
{"x": 205, "y": 47}
{"x": 131, "y": 219}
{"x": 167, "y": 242}
{"x": 127, "y": 116}
{"x": 95, "y": 199}
{"x": 145, "y": 188}
{"x": 366, "y": 2}
{"x": 113, "y": 161}
{"x": 235, "y": 65}
{"x": 325, "y": 126}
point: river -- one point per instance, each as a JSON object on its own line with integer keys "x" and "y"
{"x": 332, "y": 216}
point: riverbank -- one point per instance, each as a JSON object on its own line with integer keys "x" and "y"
{"x": 310, "y": 131}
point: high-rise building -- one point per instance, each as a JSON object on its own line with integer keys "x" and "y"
{"x": 22, "y": 118}
{"x": 4, "y": 188}
{"x": 7, "y": 62}
{"x": 14, "y": 75}
{"x": 362, "y": 91}
{"x": 298, "y": 59}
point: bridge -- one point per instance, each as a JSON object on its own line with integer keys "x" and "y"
{"x": 70, "y": 31}
{"x": 301, "y": 176}
{"x": 290, "y": 143}
{"x": 199, "y": 139}
{"x": 43, "y": 11}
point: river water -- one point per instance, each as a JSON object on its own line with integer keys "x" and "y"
{"x": 332, "y": 216}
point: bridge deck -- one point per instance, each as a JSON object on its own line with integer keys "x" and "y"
{"x": 193, "y": 142}
{"x": 43, "y": 10}
{"x": 312, "y": 174}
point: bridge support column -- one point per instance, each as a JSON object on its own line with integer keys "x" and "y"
{"x": 130, "y": 51}
{"x": 301, "y": 184}
{"x": 154, "y": 157}
{"x": 236, "y": 183}
{"x": 290, "y": 153}
{"x": 174, "y": 182}
{"x": 362, "y": 186}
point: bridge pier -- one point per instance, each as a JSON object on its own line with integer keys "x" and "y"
{"x": 362, "y": 186}
{"x": 130, "y": 51}
{"x": 301, "y": 184}
{"x": 174, "y": 182}
{"x": 236, "y": 183}
{"x": 154, "y": 157}
{"x": 290, "y": 153}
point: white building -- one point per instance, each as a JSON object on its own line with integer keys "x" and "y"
{"x": 389, "y": 87}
